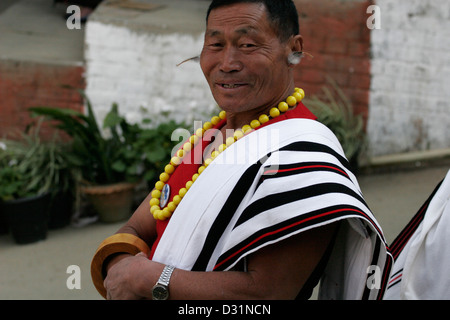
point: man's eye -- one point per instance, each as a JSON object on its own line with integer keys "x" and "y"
{"x": 247, "y": 45}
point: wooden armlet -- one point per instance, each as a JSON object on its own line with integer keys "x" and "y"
{"x": 117, "y": 243}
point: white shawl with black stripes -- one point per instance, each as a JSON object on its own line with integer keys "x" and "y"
{"x": 276, "y": 182}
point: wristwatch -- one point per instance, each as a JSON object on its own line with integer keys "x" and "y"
{"x": 160, "y": 290}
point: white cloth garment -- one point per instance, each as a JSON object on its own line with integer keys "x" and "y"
{"x": 278, "y": 181}
{"x": 422, "y": 265}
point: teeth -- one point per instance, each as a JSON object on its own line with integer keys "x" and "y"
{"x": 229, "y": 86}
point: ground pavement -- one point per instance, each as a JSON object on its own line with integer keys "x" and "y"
{"x": 39, "y": 270}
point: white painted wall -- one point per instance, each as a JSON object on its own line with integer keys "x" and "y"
{"x": 409, "y": 106}
{"x": 138, "y": 69}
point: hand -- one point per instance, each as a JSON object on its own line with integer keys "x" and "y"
{"x": 132, "y": 277}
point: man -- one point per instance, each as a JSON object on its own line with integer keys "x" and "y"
{"x": 272, "y": 210}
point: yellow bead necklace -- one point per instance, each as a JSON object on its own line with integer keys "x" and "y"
{"x": 164, "y": 212}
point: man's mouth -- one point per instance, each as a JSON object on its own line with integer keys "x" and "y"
{"x": 231, "y": 85}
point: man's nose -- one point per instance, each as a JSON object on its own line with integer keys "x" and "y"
{"x": 230, "y": 61}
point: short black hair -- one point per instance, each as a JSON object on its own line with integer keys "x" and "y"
{"x": 282, "y": 13}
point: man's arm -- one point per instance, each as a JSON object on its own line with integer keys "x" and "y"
{"x": 277, "y": 271}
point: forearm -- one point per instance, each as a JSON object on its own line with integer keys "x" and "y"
{"x": 217, "y": 285}
{"x": 214, "y": 285}
{"x": 278, "y": 271}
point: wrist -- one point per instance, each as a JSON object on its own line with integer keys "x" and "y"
{"x": 160, "y": 290}
{"x": 112, "y": 260}
{"x": 113, "y": 248}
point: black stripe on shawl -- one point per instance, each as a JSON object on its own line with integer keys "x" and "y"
{"x": 301, "y": 167}
{"x": 290, "y": 226}
{"x": 226, "y": 213}
{"x": 394, "y": 275}
{"x": 316, "y": 147}
{"x": 394, "y": 283}
{"x": 386, "y": 272}
{"x": 275, "y": 200}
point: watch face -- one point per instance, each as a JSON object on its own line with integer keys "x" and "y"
{"x": 160, "y": 292}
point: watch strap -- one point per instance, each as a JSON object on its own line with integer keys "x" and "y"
{"x": 165, "y": 275}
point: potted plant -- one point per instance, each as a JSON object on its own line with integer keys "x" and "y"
{"x": 30, "y": 170}
{"x": 115, "y": 158}
{"x": 61, "y": 177}
{"x": 109, "y": 165}
{"x": 15, "y": 194}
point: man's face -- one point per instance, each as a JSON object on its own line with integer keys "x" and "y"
{"x": 243, "y": 60}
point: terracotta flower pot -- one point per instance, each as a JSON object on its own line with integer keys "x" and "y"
{"x": 112, "y": 202}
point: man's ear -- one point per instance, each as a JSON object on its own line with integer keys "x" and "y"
{"x": 296, "y": 43}
{"x": 295, "y": 48}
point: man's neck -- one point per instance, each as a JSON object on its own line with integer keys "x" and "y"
{"x": 239, "y": 119}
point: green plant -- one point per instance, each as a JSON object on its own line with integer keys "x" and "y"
{"x": 130, "y": 152}
{"x": 102, "y": 160}
{"x": 156, "y": 146}
{"x": 29, "y": 166}
{"x": 335, "y": 110}
{"x": 13, "y": 184}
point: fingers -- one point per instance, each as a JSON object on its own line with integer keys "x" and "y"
{"x": 119, "y": 280}
{"x": 108, "y": 293}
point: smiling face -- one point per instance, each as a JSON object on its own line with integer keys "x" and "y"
{"x": 244, "y": 61}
